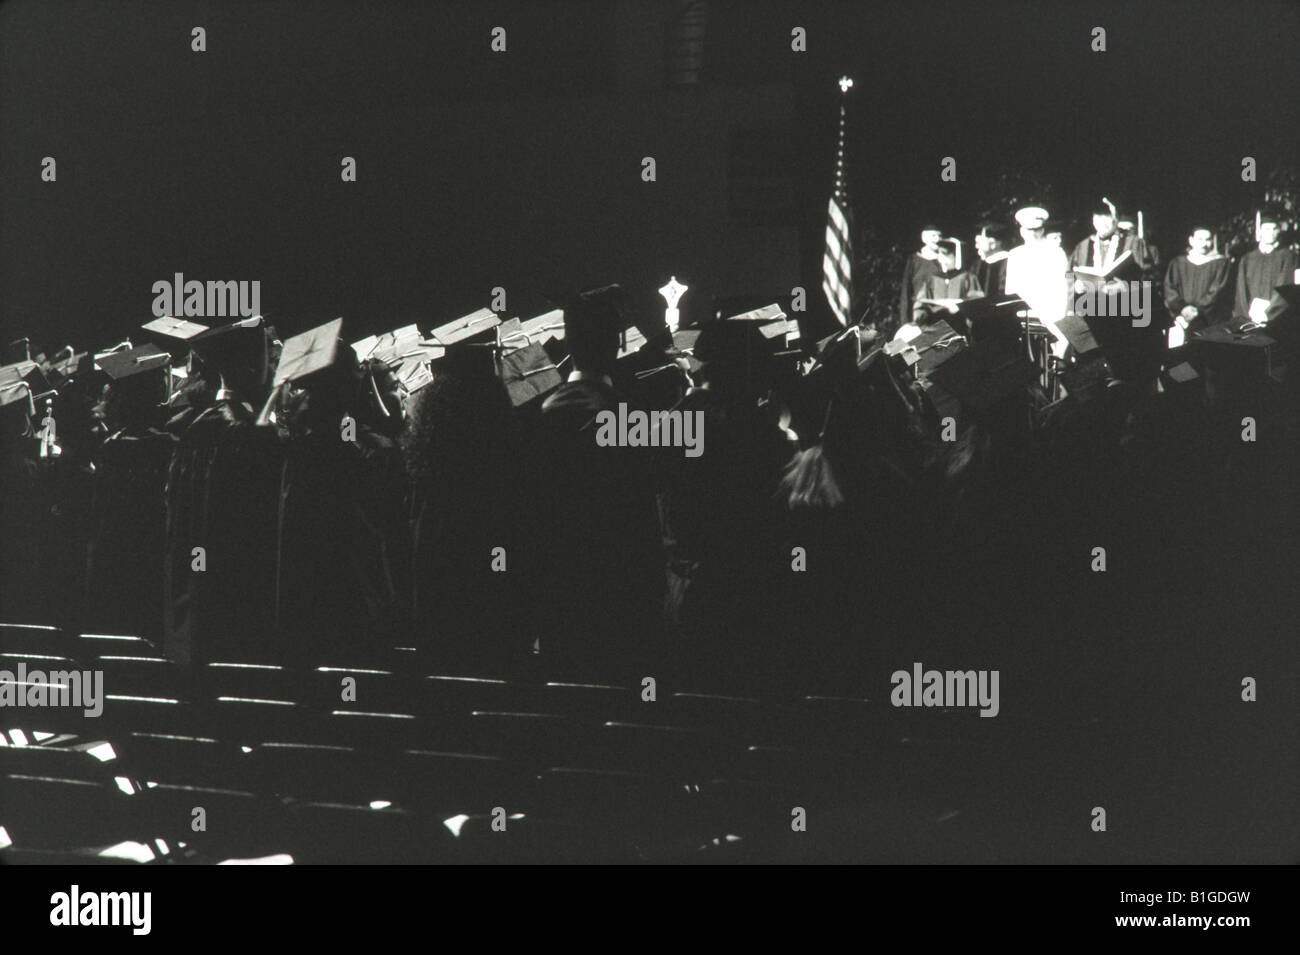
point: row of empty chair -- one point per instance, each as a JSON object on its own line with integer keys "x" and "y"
{"x": 379, "y": 762}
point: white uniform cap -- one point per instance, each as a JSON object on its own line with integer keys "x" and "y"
{"x": 1032, "y": 217}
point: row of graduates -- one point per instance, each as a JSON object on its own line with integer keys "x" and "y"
{"x": 334, "y": 516}
{"x": 338, "y": 517}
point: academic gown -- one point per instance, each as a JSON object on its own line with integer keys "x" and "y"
{"x": 222, "y": 495}
{"x": 719, "y": 517}
{"x": 1203, "y": 285}
{"x": 603, "y": 583}
{"x": 342, "y": 509}
{"x": 943, "y": 285}
{"x": 991, "y": 273}
{"x": 915, "y": 272}
{"x": 465, "y": 520}
{"x": 127, "y": 548}
{"x": 1258, "y": 275}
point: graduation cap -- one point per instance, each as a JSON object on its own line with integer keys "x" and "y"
{"x": 544, "y": 328}
{"x": 18, "y": 350}
{"x": 474, "y": 327}
{"x": 597, "y": 332}
{"x": 983, "y": 375}
{"x": 312, "y": 351}
{"x": 18, "y": 371}
{"x": 528, "y": 374}
{"x": 172, "y": 334}
{"x": 238, "y": 352}
{"x": 989, "y": 318}
{"x": 774, "y": 325}
{"x": 22, "y": 384}
{"x": 390, "y": 347}
{"x": 142, "y": 374}
{"x": 631, "y": 341}
{"x": 930, "y": 347}
{"x": 413, "y": 374}
{"x": 737, "y": 351}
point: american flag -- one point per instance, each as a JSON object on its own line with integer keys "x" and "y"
{"x": 837, "y": 261}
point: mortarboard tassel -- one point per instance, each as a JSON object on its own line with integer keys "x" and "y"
{"x": 378, "y": 397}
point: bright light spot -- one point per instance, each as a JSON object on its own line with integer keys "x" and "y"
{"x": 455, "y": 824}
{"x": 252, "y": 699}
{"x": 5, "y": 841}
{"x": 139, "y": 699}
{"x": 42, "y": 737}
{"x": 124, "y": 784}
{"x": 246, "y": 749}
{"x": 162, "y": 844}
{"x": 135, "y": 851}
{"x": 103, "y": 752}
{"x": 282, "y": 858}
{"x": 19, "y": 738}
{"x": 380, "y": 804}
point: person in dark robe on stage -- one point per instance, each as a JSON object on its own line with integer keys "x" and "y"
{"x": 1197, "y": 283}
{"x": 1260, "y": 272}
{"x": 919, "y": 267}
{"x": 1106, "y": 248}
{"x": 943, "y": 291}
{"x": 603, "y": 578}
{"x": 991, "y": 269}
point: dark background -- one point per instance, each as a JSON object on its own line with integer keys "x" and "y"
{"x": 522, "y": 169}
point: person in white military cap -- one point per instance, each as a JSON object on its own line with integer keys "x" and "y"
{"x": 1036, "y": 272}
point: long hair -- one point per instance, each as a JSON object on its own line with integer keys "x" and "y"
{"x": 809, "y": 481}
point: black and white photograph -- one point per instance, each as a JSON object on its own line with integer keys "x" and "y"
{"x": 650, "y": 433}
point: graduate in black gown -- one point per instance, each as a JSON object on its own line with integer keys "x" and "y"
{"x": 603, "y": 578}
{"x": 126, "y": 552}
{"x": 342, "y": 515}
{"x": 461, "y": 457}
{"x": 223, "y": 496}
{"x": 718, "y": 510}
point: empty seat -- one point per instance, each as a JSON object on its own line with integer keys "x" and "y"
{"x": 461, "y": 782}
{"x": 46, "y": 811}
